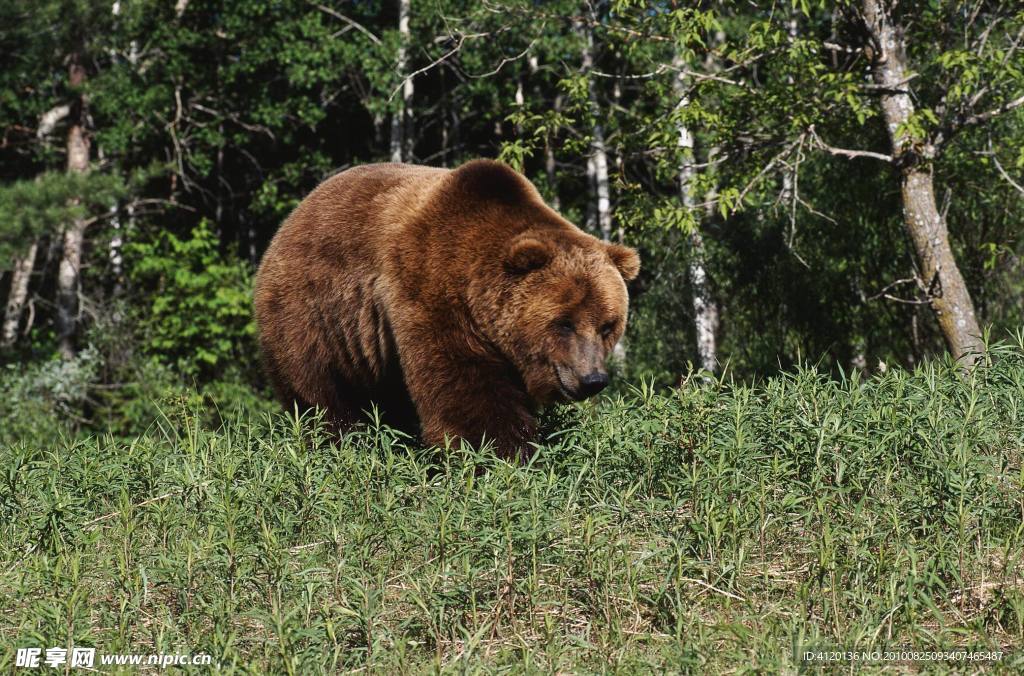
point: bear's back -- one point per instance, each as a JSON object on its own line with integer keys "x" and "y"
{"x": 319, "y": 295}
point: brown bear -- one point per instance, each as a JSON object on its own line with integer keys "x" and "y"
{"x": 455, "y": 299}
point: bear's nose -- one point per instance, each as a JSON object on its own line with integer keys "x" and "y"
{"x": 593, "y": 383}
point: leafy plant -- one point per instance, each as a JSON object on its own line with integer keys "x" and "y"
{"x": 197, "y": 315}
{"x": 43, "y": 205}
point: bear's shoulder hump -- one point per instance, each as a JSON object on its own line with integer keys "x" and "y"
{"x": 490, "y": 180}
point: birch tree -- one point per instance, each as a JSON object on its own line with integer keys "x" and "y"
{"x": 822, "y": 90}
{"x": 22, "y": 264}
{"x": 401, "y": 141}
{"x": 69, "y": 272}
{"x": 36, "y": 211}
{"x": 550, "y": 171}
{"x": 705, "y": 309}
{"x": 939, "y": 273}
{"x": 597, "y": 161}
{"x": 21, "y": 273}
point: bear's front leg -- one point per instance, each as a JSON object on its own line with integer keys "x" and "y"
{"x": 477, "y": 412}
{"x": 460, "y": 396}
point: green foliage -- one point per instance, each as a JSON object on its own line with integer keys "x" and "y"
{"x": 114, "y": 386}
{"x": 44, "y": 401}
{"x": 244, "y": 107}
{"x": 48, "y": 203}
{"x": 198, "y": 318}
{"x": 716, "y": 528}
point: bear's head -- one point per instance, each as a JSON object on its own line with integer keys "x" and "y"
{"x": 549, "y": 296}
{"x": 564, "y": 307}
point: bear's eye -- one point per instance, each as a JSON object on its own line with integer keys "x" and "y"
{"x": 607, "y": 329}
{"x": 565, "y": 327}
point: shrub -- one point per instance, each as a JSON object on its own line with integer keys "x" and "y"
{"x": 196, "y": 314}
{"x": 44, "y": 399}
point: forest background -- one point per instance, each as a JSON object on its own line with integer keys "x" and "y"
{"x": 840, "y": 183}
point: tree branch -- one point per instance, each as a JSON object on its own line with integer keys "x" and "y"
{"x": 1002, "y": 172}
{"x": 436, "y": 62}
{"x": 49, "y": 119}
{"x": 995, "y": 112}
{"x": 845, "y": 49}
{"x": 843, "y": 152}
{"x": 504, "y": 60}
{"x": 355, "y": 24}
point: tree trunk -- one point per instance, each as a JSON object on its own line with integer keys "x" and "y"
{"x": 549, "y": 170}
{"x": 74, "y": 234}
{"x": 590, "y": 215}
{"x": 599, "y": 209}
{"x": 20, "y": 276}
{"x": 549, "y": 163}
{"x": 620, "y": 162}
{"x": 49, "y": 119}
{"x": 520, "y": 100}
{"x": 602, "y": 192}
{"x": 445, "y": 112}
{"x": 947, "y": 292}
{"x": 705, "y": 310}
{"x": 598, "y": 152}
{"x": 456, "y": 131}
{"x": 378, "y": 129}
{"x": 114, "y": 251}
{"x": 549, "y": 152}
{"x": 400, "y": 137}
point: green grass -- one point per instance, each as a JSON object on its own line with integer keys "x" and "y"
{"x": 717, "y": 527}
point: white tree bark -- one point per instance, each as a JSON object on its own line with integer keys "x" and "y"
{"x": 947, "y": 293}
{"x": 49, "y": 119}
{"x": 599, "y": 209}
{"x": 74, "y": 233}
{"x": 792, "y": 28}
{"x": 20, "y": 276}
{"x": 549, "y": 152}
{"x": 550, "y": 168}
{"x": 598, "y": 151}
{"x": 705, "y": 310}
{"x": 601, "y": 188}
{"x": 590, "y": 216}
{"x": 401, "y": 141}
{"x": 114, "y": 251}
{"x": 520, "y": 100}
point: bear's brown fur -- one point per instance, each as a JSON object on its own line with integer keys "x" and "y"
{"x": 452, "y": 298}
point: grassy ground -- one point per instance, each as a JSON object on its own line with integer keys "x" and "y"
{"x": 714, "y": 528}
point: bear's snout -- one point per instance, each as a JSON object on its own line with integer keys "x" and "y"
{"x": 592, "y": 383}
{"x": 579, "y": 387}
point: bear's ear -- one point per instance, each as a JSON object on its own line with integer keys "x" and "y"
{"x": 626, "y": 260}
{"x": 527, "y": 254}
